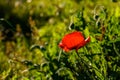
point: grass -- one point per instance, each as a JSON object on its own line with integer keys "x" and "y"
{"x": 29, "y": 48}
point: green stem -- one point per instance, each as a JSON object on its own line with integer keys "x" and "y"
{"x": 114, "y": 47}
{"x": 85, "y": 62}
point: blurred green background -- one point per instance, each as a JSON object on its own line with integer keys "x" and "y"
{"x": 30, "y": 31}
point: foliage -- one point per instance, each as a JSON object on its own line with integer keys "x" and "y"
{"x": 30, "y": 31}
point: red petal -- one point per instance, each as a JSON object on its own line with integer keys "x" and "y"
{"x": 87, "y": 40}
{"x": 72, "y": 40}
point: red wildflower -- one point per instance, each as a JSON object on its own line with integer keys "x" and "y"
{"x": 74, "y": 40}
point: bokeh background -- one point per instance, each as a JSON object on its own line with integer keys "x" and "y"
{"x": 30, "y": 31}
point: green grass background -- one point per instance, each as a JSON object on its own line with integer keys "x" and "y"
{"x": 30, "y": 31}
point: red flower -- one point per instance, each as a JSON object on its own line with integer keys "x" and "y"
{"x": 74, "y": 40}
